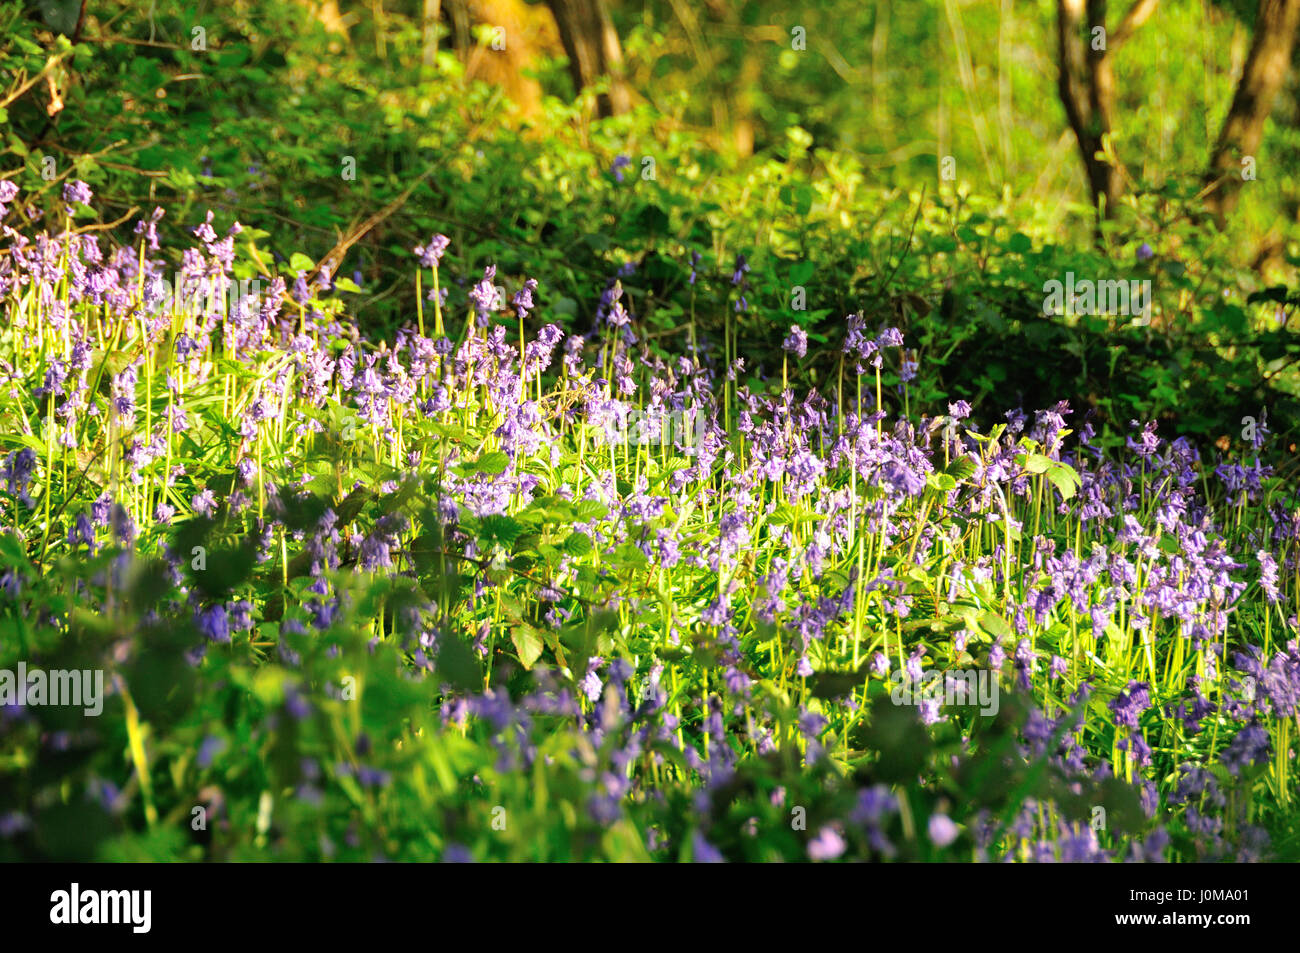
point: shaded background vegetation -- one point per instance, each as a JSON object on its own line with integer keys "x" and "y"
{"x": 811, "y": 140}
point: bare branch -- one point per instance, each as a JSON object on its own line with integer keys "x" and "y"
{"x": 1137, "y": 15}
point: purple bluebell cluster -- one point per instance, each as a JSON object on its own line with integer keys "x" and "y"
{"x": 697, "y": 577}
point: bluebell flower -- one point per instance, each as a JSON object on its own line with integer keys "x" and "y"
{"x": 213, "y": 623}
{"x": 796, "y": 342}
{"x": 702, "y": 852}
{"x": 942, "y": 830}
{"x": 828, "y": 844}
{"x": 212, "y": 746}
{"x": 431, "y": 254}
{"x": 77, "y": 191}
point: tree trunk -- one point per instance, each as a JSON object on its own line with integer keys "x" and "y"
{"x": 432, "y": 13}
{"x": 1086, "y": 86}
{"x": 461, "y": 37}
{"x": 592, "y": 45}
{"x": 1261, "y": 78}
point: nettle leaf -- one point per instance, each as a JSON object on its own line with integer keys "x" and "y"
{"x": 588, "y": 510}
{"x": 942, "y": 482}
{"x": 652, "y": 219}
{"x": 548, "y": 509}
{"x": 492, "y": 463}
{"x": 801, "y": 272}
{"x": 629, "y": 555}
{"x": 528, "y": 643}
{"x": 1065, "y": 479}
{"x": 995, "y": 625}
{"x": 899, "y": 737}
{"x": 961, "y": 469}
{"x": 578, "y": 544}
{"x": 452, "y": 432}
{"x": 787, "y": 514}
{"x": 500, "y": 529}
{"x": 1037, "y": 463}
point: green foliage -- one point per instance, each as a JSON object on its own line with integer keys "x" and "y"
{"x": 261, "y": 126}
{"x": 265, "y": 121}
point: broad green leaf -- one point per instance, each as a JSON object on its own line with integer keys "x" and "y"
{"x": 528, "y": 643}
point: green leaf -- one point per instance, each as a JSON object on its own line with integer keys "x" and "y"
{"x": 801, "y": 272}
{"x": 630, "y": 555}
{"x": 787, "y": 515}
{"x": 492, "y": 462}
{"x": 837, "y": 684}
{"x": 588, "y": 510}
{"x": 528, "y": 643}
{"x": 1037, "y": 463}
{"x": 578, "y": 544}
{"x": 452, "y": 432}
{"x": 1065, "y": 479}
{"x": 501, "y": 529}
{"x": 961, "y": 469}
{"x": 12, "y": 552}
{"x": 942, "y": 482}
{"x": 995, "y": 625}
